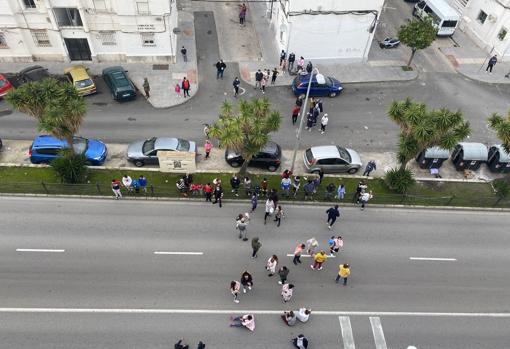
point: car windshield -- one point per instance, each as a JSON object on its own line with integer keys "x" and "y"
{"x": 329, "y": 82}
{"x": 120, "y": 78}
{"x": 182, "y": 145}
{"x": 148, "y": 146}
{"x": 344, "y": 154}
{"x": 83, "y": 83}
{"x": 80, "y": 145}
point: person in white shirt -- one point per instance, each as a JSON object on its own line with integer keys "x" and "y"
{"x": 303, "y": 314}
{"x": 127, "y": 182}
{"x": 324, "y": 123}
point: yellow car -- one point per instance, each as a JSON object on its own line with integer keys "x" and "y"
{"x": 78, "y": 76}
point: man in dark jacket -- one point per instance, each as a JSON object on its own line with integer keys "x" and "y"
{"x": 292, "y": 59}
{"x": 218, "y": 194}
{"x": 236, "y": 84}
{"x": 369, "y": 168}
{"x": 235, "y": 182}
{"x": 220, "y": 69}
{"x": 300, "y": 342}
{"x": 258, "y": 79}
{"x": 333, "y": 213}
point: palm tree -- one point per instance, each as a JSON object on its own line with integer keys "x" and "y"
{"x": 247, "y": 131}
{"x": 501, "y": 125}
{"x": 421, "y": 129}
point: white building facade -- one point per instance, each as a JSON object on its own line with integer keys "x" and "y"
{"x": 332, "y": 30}
{"x": 487, "y": 22}
{"x": 87, "y": 30}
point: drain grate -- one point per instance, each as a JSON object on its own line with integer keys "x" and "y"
{"x": 160, "y": 67}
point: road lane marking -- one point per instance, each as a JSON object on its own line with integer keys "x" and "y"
{"x": 38, "y": 250}
{"x": 433, "y": 259}
{"x": 307, "y": 255}
{"x": 348, "y": 338}
{"x": 380, "y": 341}
{"x": 179, "y": 253}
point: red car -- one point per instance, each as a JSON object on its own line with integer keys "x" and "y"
{"x": 5, "y": 86}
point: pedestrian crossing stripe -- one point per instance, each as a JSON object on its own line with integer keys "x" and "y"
{"x": 348, "y": 337}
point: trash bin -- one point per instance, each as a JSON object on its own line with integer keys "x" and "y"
{"x": 469, "y": 156}
{"x": 499, "y": 159}
{"x": 432, "y": 157}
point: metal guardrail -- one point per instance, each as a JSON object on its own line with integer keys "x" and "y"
{"x": 101, "y": 189}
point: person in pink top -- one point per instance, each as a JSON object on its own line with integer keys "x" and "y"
{"x": 208, "y": 147}
{"x": 178, "y": 90}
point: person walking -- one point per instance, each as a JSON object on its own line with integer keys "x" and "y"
{"x": 241, "y": 225}
{"x": 283, "y": 272}
{"x": 340, "y": 192}
{"x": 324, "y": 123}
{"x": 271, "y": 264}
{"x": 287, "y": 291}
{"x": 283, "y": 57}
{"x": 207, "y": 147}
{"x": 116, "y": 189}
{"x": 300, "y": 342}
{"x": 311, "y": 245}
{"x": 246, "y": 281}
{"x": 303, "y": 314}
{"x": 146, "y": 88}
{"x": 255, "y": 246}
{"x": 177, "y": 90}
{"x": 492, "y": 62}
{"x": 258, "y": 79}
{"x": 235, "y": 183}
{"x": 344, "y": 270}
{"x": 297, "y": 254}
{"x": 295, "y": 114}
{"x": 184, "y": 53}
{"x": 269, "y": 209}
{"x": 278, "y": 215}
{"x": 274, "y": 75}
{"x": 309, "y": 122}
{"x": 292, "y": 59}
{"x": 208, "y": 191}
{"x": 218, "y": 194}
{"x": 335, "y": 243}
{"x": 369, "y": 168}
{"x": 220, "y": 69}
{"x": 235, "y": 287}
{"x": 236, "y": 84}
{"x": 318, "y": 260}
{"x": 263, "y": 83}
{"x": 254, "y": 201}
{"x": 365, "y": 197}
{"x": 181, "y": 344}
{"x": 242, "y": 14}
{"x": 333, "y": 213}
{"x": 185, "y": 85}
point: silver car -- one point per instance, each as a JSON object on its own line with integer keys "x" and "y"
{"x": 146, "y": 152}
{"x": 331, "y": 158}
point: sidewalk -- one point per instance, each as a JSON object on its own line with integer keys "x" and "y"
{"x": 15, "y": 153}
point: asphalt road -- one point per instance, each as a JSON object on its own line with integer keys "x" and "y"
{"x": 104, "y": 260}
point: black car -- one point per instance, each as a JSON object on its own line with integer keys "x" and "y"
{"x": 33, "y": 73}
{"x": 268, "y": 157}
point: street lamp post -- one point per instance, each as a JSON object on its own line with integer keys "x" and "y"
{"x": 320, "y": 79}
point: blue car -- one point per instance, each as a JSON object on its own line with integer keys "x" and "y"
{"x": 331, "y": 86}
{"x": 47, "y": 148}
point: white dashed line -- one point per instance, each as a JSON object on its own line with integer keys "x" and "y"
{"x": 433, "y": 259}
{"x": 38, "y": 250}
{"x": 179, "y": 253}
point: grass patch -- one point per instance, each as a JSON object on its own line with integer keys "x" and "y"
{"x": 406, "y": 68}
{"x": 30, "y": 180}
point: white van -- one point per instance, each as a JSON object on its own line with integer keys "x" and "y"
{"x": 444, "y": 17}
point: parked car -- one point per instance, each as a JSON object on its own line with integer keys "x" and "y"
{"x": 5, "y": 85}
{"x": 328, "y": 87}
{"x": 33, "y": 73}
{"x": 1, "y": 145}
{"x": 120, "y": 86}
{"x": 80, "y": 78}
{"x": 146, "y": 152}
{"x": 389, "y": 43}
{"x": 46, "y": 148}
{"x": 331, "y": 158}
{"x": 269, "y": 157}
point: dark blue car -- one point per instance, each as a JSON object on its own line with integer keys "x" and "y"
{"x": 47, "y": 148}
{"x": 330, "y": 87}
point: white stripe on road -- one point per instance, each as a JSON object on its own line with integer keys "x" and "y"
{"x": 179, "y": 253}
{"x": 245, "y": 311}
{"x": 307, "y": 255}
{"x": 380, "y": 341}
{"x": 38, "y": 250}
{"x": 433, "y": 259}
{"x": 348, "y": 338}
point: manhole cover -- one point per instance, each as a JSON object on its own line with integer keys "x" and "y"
{"x": 209, "y": 32}
{"x": 131, "y": 119}
{"x": 160, "y": 67}
{"x": 100, "y": 103}
{"x": 5, "y": 112}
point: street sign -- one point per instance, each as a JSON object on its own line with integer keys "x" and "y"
{"x": 177, "y": 161}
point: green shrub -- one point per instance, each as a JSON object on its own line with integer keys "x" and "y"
{"x": 502, "y": 188}
{"x": 399, "y": 180}
{"x": 70, "y": 167}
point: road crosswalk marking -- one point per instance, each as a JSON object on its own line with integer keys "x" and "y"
{"x": 348, "y": 338}
{"x": 380, "y": 342}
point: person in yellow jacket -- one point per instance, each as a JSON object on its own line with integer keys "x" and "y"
{"x": 318, "y": 259}
{"x": 343, "y": 273}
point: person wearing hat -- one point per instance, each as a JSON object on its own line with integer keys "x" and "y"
{"x": 324, "y": 123}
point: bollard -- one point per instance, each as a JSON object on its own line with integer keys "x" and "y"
{"x": 45, "y": 188}
{"x": 98, "y": 188}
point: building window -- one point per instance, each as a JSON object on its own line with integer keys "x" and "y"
{"x": 41, "y": 38}
{"x": 29, "y": 3}
{"x": 142, "y": 7}
{"x": 502, "y": 33}
{"x": 482, "y": 16}
{"x": 100, "y": 5}
{"x": 3, "y": 42}
{"x": 148, "y": 39}
{"x": 68, "y": 17}
{"x": 107, "y": 38}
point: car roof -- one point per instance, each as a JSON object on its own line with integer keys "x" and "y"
{"x": 325, "y": 152}
{"x": 270, "y": 148}
{"x": 110, "y": 70}
{"x": 47, "y": 141}
{"x": 166, "y": 143}
{"x": 78, "y": 72}
{"x": 35, "y": 71}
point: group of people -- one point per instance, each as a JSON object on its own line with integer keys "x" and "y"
{"x": 287, "y": 63}
{"x": 129, "y": 184}
{"x": 362, "y": 195}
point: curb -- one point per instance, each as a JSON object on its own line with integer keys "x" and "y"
{"x": 481, "y": 81}
{"x": 245, "y": 201}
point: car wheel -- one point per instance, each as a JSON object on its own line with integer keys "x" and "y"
{"x": 139, "y": 163}
{"x": 271, "y": 168}
{"x": 352, "y": 170}
{"x": 333, "y": 94}
{"x": 235, "y": 164}
{"x": 381, "y": 45}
